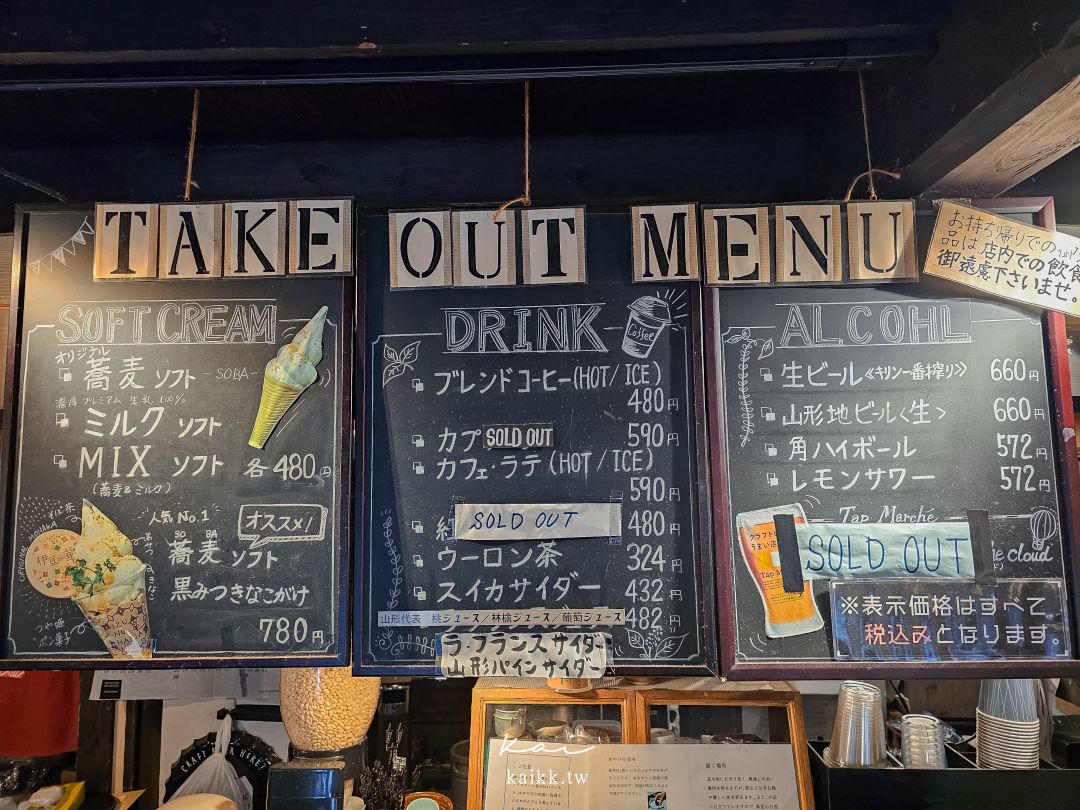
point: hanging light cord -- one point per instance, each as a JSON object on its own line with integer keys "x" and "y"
{"x": 870, "y": 169}
{"x": 191, "y": 144}
{"x": 526, "y": 198}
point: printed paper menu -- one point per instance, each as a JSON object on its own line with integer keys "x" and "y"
{"x": 526, "y": 775}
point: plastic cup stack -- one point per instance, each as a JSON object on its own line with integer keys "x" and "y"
{"x": 922, "y": 742}
{"x": 858, "y": 738}
{"x": 1007, "y": 725}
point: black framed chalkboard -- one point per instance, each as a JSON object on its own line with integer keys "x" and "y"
{"x": 875, "y": 419}
{"x": 140, "y": 526}
{"x": 989, "y": 472}
{"x": 605, "y": 415}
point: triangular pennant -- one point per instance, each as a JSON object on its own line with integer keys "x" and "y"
{"x": 79, "y": 238}
{"x": 58, "y": 254}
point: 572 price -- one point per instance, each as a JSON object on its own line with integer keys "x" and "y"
{"x": 1018, "y": 478}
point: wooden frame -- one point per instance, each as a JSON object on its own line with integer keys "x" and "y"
{"x": 632, "y": 731}
{"x": 1063, "y": 427}
{"x": 790, "y": 701}
{"x": 8, "y": 445}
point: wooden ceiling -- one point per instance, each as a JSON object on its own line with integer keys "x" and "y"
{"x": 420, "y": 103}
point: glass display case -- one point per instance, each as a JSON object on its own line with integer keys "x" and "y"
{"x": 531, "y": 712}
{"x": 718, "y": 717}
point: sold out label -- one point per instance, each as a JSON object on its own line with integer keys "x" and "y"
{"x": 519, "y": 437}
{"x": 536, "y": 521}
{"x": 864, "y": 550}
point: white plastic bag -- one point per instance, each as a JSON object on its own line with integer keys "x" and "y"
{"x": 216, "y": 774}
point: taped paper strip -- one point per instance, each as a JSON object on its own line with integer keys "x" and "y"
{"x": 536, "y": 617}
{"x": 524, "y": 655}
{"x": 848, "y": 551}
{"x": 536, "y": 521}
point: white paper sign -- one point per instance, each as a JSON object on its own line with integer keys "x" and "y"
{"x": 525, "y": 655}
{"x": 726, "y": 776}
{"x": 886, "y": 550}
{"x": 536, "y": 521}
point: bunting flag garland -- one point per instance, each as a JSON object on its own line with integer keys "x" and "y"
{"x": 60, "y": 254}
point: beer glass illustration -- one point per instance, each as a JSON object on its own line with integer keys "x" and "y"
{"x": 649, "y": 316}
{"x": 786, "y": 614}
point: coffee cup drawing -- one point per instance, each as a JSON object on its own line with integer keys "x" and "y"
{"x": 649, "y": 316}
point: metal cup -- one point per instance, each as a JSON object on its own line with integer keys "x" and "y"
{"x": 509, "y": 721}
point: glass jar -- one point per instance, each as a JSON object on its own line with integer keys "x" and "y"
{"x": 326, "y": 708}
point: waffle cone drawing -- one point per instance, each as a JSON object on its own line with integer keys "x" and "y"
{"x": 288, "y": 374}
{"x": 108, "y": 584}
{"x": 277, "y": 397}
{"x": 123, "y": 627}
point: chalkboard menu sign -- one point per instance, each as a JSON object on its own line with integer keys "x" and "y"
{"x": 888, "y": 478}
{"x": 531, "y": 461}
{"x": 175, "y": 483}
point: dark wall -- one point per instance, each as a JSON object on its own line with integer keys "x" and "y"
{"x": 739, "y": 137}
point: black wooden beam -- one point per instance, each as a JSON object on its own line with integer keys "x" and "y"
{"x": 142, "y": 750}
{"x": 94, "y": 758}
{"x": 286, "y": 69}
{"x": 73, "y": 31}
{"x": 997, "y": 103}
{"x": 69, "y": 44}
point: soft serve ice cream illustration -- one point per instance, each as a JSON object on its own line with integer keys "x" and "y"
{"x": 287, "y": 376}
{"x": 99, "y": 571}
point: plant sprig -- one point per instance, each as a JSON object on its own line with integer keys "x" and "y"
{"x": 87, "y": 581}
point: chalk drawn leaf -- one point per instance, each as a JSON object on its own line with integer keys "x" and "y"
{"x": 391, "y": 372}
{"x": 767, "y": 349}
{"x": 410, "y": 353}
{"x": 636, "y": 640}
{"x": 670, "y": 646}
{"x": 390, "y": 354}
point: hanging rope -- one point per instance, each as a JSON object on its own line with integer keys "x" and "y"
{"x": 870, "y": 169}
{"x": 526, "y": 198}
{"x": 26, "y": 181}
{"x": 191, "y": 144}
